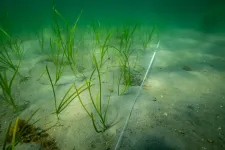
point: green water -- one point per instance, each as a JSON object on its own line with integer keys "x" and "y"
{"x": 31, "y": 16}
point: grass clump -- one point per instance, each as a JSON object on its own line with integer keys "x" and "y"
{"x": 62, "y": 45}
{"x": 15, "y": 133}
{"x": 23, "y": 131}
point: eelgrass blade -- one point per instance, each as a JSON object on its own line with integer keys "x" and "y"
{"x": 94, "y": 125}
{"x": 57, "y": 13}
{"x": 74, "y": 27}
{"x": 148, "y": 38}
{"x": 41, "y": 75}
{"x": 90, "y": 93}
{"x": 97, "y": 37}
{"x": 53, "y": 90}
{"x": 12, "y": 79}
{"x": 105, "y": 47}
{"x": 3, "y": 31}
{"x": 51, "y": 56}
{"x": 100, "y": 84}
{"x": 28, "y": 120}
{"x": 79, "y": 98}
{"x": 64, "y": 97}
{"x": 69, "y": 100}
{"x": 59, "y": 72}
{"x": 41, "y": 41}
{"x": 89, "y": 114}
{"x": 97, "y": 101}
{"x": 106, "y": 110}
{"x": 14, "y": 133}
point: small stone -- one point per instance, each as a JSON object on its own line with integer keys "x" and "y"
{"x": 210, "y": 141}
{"x": 186, "y": 68}
{"x": 181, "y": 132}
{"x": 93, "y": 145}
{"x": 154, "y": 99}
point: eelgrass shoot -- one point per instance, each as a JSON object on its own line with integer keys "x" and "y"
{"x": 6, "y": 86}
{"x": 62, "y": 46}
{"x": 96, "y": 27}
{"x": 99, "y": 117}
{"x": 13, "y": 45}
{"x": 5, "y": 59}
{"x": 41, "y": 41}
{"x": 16, "y": 46}
{"x": 6, "y": 64}
{"x": 58, "y": 60}
{"x": 52, "y": 43}
{"x": 124, "y": 52}
{"x": 56, "y": 55}
{"x": 68, "y": 96}
{"x": 103, "y": 45}
{"x": 147, "y": 38}
{"x": 66, "y": 40}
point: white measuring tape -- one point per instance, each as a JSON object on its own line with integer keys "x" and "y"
{"x": 128, "y": 118}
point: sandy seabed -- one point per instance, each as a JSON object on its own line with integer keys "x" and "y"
{"x": 181, "y": 105}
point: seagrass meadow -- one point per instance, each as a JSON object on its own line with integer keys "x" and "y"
{"x": 112, "y": 75}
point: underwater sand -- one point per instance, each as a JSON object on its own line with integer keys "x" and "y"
{"x": 180, "y": 107}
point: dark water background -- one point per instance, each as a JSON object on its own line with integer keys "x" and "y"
{"x": 30, "y": 16}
